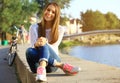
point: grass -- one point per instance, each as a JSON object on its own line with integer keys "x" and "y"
{"x": 69, "y": 44}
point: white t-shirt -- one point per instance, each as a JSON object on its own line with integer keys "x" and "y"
{"x": 33, "y": 32}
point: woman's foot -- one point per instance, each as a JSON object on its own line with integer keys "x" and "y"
{"x": 70, "y": 70}
{"x": 41, "y": 74}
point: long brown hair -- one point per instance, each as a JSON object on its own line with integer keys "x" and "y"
{"x": 54, "y": 29}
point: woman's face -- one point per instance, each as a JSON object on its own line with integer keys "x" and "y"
{"x": 49, "y": 13}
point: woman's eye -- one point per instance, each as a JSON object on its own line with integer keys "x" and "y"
{"x": 48, "y": 9}
{"x": 53, "y": 12}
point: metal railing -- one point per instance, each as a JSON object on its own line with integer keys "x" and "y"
{"x": 115, "y": 31}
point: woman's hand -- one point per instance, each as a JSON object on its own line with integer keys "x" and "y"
{"x": 41, "y": 42}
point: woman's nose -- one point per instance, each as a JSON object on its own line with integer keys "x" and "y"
{"x": 50, "y": 12}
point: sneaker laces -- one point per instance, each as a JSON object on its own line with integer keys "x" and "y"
{"x": 41, "y": 74}
{"x": 71, "y": 70}
{"x": 67, "y": 67}
{"x": 40, "y": 70}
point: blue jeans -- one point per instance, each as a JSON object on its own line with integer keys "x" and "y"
{"x": 34, "y": 55}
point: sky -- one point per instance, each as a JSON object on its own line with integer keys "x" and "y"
{"x": 104, "y": 6}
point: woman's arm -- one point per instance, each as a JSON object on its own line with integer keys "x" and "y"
{"x": 33, "y": 34}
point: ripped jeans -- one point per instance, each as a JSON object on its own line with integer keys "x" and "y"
{"x": 34, "y": 55}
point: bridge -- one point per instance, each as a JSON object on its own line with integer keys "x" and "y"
{"x": 115, "y": 31}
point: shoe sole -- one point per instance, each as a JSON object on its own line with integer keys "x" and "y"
{"x": 73, "y": 73}
{"x": 41, "y": 80}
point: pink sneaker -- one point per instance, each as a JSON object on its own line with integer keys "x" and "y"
{"x": 70, "y": 70}
{"x": 41, "y": 74}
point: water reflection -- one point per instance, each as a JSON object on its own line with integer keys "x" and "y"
{"x": 108, "y": 54}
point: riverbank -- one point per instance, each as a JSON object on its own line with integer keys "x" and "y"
{"x": 91, "y": 40}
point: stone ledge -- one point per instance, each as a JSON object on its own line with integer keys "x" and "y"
{"x": 23, "y": 70}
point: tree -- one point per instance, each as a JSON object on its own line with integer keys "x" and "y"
{"x": 99, "y": 22}
{"x": 112, "y": 21}
{"x": 15, "y": 12}
{"x": 63, "y": 20}
{"x": 95, "y": 20}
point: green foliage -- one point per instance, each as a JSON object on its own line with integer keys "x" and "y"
{"x": 68, "y": 44}
{"x": 99, "y": 21}
{"x": 62, "y": 3}
{"x": 95, "y": 20}
{"x": 112, "y": 20}
{"x": 63, "y": 20}
{"x": 15, "y": 12}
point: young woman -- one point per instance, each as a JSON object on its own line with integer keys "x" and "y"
{"x": 45, "y": 38}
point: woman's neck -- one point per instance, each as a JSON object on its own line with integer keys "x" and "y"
{"x": 48, "y": 25}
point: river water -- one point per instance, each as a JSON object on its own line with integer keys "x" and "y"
{"x": 107, "y": 54}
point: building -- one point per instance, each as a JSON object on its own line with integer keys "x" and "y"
{"x": 73, "y": 26}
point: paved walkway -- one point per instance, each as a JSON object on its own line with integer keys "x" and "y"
{"x": 92, "y": 72}
{"x": 7, "y": 73}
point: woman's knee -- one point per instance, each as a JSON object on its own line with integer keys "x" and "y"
{"x": 45, "y": 47}
{"x": 31, "y": 52}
